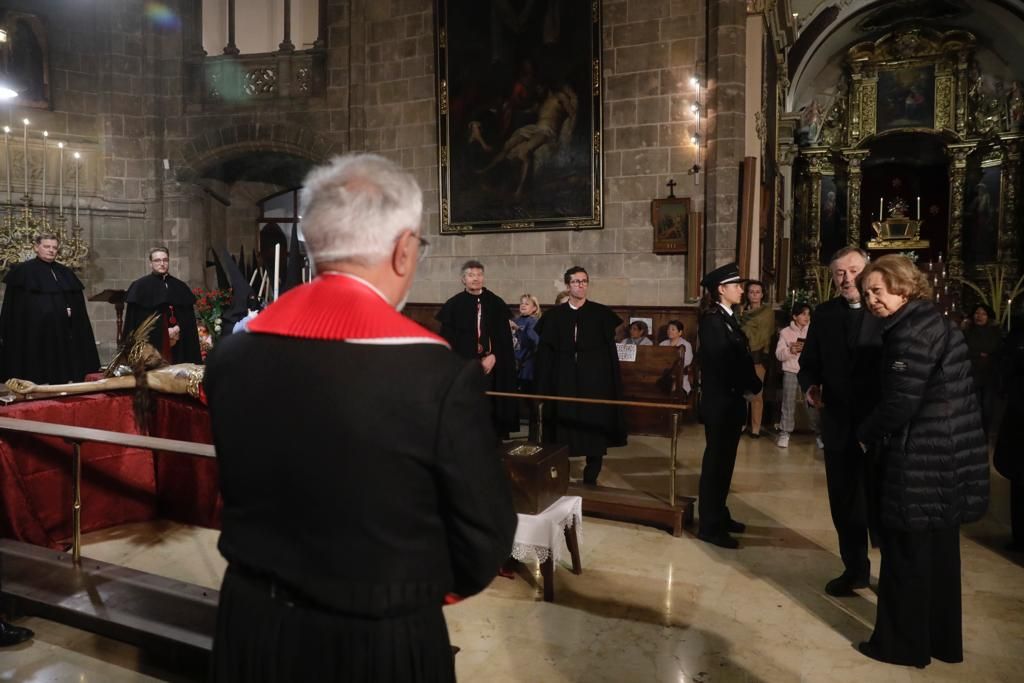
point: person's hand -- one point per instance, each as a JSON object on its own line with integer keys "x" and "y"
{"x": 20, "y": 386}
{"x": 863, "y": 448}
{"x": 174, "y": 334}
{"x": 796, "y": 347}
{"x": 814, "y": 396}
{"x": 487, "y": 362}
{"x": 512, "y": 324}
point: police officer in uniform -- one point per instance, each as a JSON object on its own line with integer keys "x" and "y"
{"x": 728, "y": 380}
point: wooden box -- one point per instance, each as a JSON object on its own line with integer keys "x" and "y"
{"x": 539, "y": 475}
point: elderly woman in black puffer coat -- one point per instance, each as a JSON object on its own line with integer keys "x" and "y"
{"x": 932, "y": 465}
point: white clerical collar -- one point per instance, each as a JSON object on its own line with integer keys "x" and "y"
{"x": 360, "y": 280}
{"x": 575, "y": 308}
{"x": 725, "y": 308}
{"x": 853, "y": 304}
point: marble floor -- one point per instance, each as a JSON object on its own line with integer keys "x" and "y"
{"x": 648, "y": 607}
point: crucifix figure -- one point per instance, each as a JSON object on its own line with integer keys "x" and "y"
{"x": 671, "y": 185}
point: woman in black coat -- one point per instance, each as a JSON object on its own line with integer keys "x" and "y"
{"x": 727, "y": 381}
{"x": 932, "y": 465}
{"x": 1009, "y": 458}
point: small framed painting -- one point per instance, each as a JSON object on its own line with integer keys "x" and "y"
{"x": 671, "y": 220}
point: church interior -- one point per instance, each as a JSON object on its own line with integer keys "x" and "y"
{"x": 649, "y": 141}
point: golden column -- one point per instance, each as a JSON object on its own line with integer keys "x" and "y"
{"x": 957, "y": 182}
{"x": 1007, "y": 246}
{"x": 854, "y": 158}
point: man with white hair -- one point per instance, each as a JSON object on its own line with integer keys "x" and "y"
{"x": 379, "y": 491}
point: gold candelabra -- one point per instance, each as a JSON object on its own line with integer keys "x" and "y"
{"x": 20, "y": 225}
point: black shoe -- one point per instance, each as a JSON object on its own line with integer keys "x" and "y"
{"x": 843, "y": 585}
{"x": 754, "y": 435}
{"x": 734, "y": 527}
{"x": 722, "y": 540}
{"x": 868, "y": 650}
{"x": 12, "y": 635}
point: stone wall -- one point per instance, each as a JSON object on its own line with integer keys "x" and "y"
{"x": 125, "y": 93}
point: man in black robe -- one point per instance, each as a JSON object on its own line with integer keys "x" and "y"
{"x": 379, "y": 489}
{"x": 475, "y": 323}
{"x": 176, "y": 335}
{"x": 577, "y": 357}
{"x": 45, "y": 333}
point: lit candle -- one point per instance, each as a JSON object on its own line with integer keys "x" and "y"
{"x": 78, "y": 158}
{"x": 7, "y": 149}
{"x": 25, "y": 141}
{"x": 60, "y": 183}
{"x": 918, "y": 208}
{"x": 943, "y": 272}
{"x": 277, "y": 266}
{"x": 879, "y": 208}
{"x": 929, "y": 266}
{"x": 940, "y": 258}
{"x": 1009, "y": 317}
{"x": 45, "y": 135}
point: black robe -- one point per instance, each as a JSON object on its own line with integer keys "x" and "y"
{"x": 577, "y": 357}
{"x": 458, "y": 327}
{"x": 175, "y": 302}
{"x": 39, "y": 341}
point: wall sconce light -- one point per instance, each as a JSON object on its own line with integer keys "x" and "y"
{"x": 697, "y": 109}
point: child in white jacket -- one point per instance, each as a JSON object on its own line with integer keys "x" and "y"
{"x": 791, "y": 344}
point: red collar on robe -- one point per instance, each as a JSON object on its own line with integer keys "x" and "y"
{"x": 340, "y": 307}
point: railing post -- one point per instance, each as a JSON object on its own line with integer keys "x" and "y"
{"x": 286, "y": 44}
{"x": 673, "y": 459}
{"x": 231, "y": 48}
{"x": 76, "y": 505}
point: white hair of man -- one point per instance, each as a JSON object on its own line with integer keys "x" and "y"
{"x": 355, "y": 207}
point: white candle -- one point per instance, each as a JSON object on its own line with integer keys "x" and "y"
{"x": 940, "y": 257}
{"x": 60, "y": 183}
{"x": 277, "y": 266}
{"x": 879, "y": 208}
{"x": 25, "y": 122}
{"x": 1008, "y": 317}
{"x": 43, "y": 203}
{"x": 918, "y": 208}
{"x": 78, "y": 158}
{"x": 7, "y": 150}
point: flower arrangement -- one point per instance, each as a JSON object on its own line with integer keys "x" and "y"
{"x": 210, "y": 306}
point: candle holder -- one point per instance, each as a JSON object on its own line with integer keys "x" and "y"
{"x": 22, "y": 223}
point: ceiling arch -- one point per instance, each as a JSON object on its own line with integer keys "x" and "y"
{"x": 833, "y": 27}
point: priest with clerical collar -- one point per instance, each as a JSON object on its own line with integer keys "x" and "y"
{"x": 45, "y": 333}
{"x": 176, "y": 335}
{"x": 475, "y": 322}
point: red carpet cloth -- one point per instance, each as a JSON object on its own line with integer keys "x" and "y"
{"x": 119, "y": 485}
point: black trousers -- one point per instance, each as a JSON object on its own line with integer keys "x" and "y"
{"x": 919, "y": 611}
{"x": 845, "y": 472}
{"x": 716, "y": 476}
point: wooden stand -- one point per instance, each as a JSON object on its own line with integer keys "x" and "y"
{"x": 626, "y": 505}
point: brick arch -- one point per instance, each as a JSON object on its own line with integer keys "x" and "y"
{"x": 221, "y": 144}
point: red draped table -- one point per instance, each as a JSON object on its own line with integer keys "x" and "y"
{"x": 119, "y": 484}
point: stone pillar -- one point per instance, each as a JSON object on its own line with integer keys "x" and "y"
{"x": 726, "y": 124}
{"x": 957, "y": 184}
{"x": 287, "y": 45}
{"x": 787, "y": 154}
{"x": 231, "y": 48}
{"x": 854, "y": 158}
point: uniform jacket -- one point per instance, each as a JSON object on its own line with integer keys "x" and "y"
{"x": 1009, "y": 456}
{"x": 927, "y": 425}
{"x": 727, "y": 371}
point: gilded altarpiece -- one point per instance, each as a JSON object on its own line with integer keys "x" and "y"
{"x": 926, "y": 85}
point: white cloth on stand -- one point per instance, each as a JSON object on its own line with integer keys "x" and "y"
{"x": 541, "y": 536}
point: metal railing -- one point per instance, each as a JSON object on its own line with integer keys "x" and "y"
{"x": 676, "y": 408}
{"x": 75, "y": 436}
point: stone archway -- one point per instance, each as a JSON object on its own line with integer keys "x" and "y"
{"x": 218, "y": 145}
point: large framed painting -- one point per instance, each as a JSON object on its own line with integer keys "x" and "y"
{"x": 906, "y": 98}
{"x": 519, "y": 115}
{"x": 982, "y": 214}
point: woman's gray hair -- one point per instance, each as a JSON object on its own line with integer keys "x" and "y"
{"x": 355, "y": 207}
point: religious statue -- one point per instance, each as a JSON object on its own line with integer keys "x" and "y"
{"x": 138, "y": 365}
{"x": 1015, "y": 106}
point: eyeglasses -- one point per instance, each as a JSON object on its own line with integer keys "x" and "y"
{"x": 579, "y": 283}
{"x": 160, "y": 260}
{"x": 424, "y": 247}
